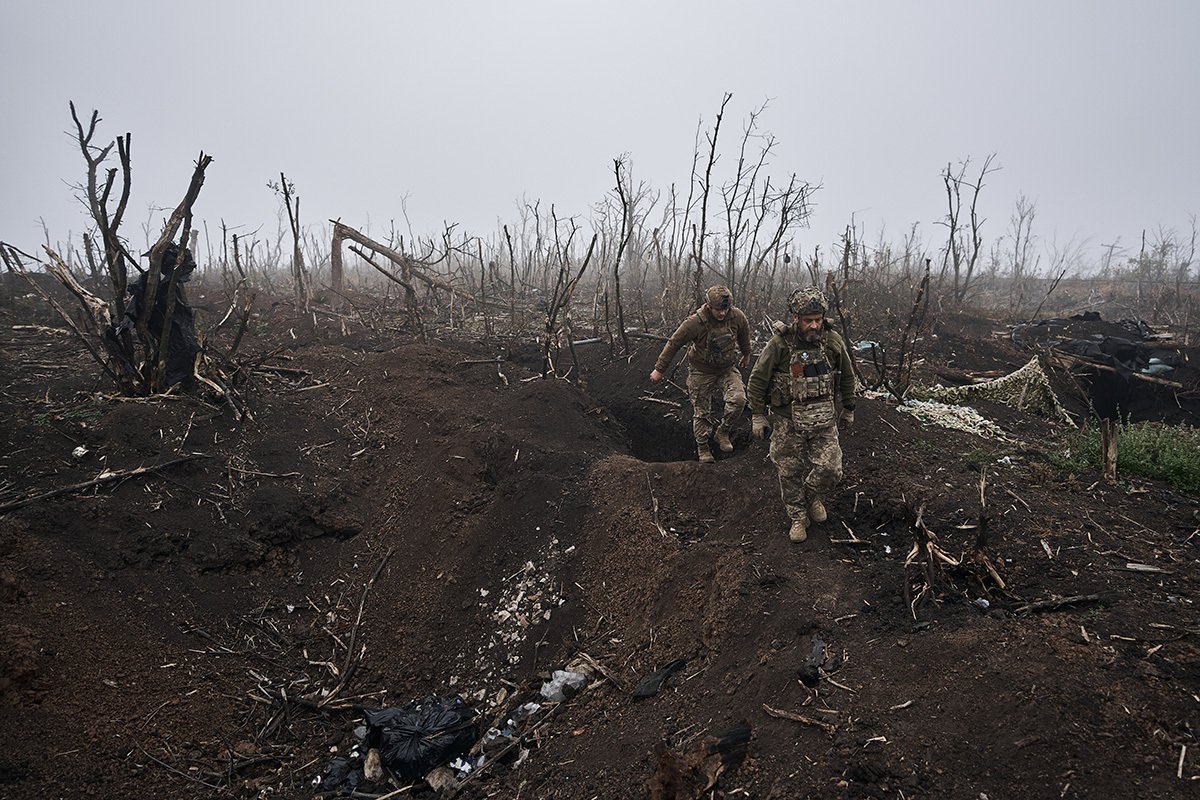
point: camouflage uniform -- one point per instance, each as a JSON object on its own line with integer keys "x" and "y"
{"x": 797, "y": 380}
{"x": 702, "y": 388}
{"x": 712, "y": 358}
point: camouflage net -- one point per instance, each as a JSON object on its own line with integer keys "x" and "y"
{"x": 1027, "y": 389}
{"x": 959, "y": 418}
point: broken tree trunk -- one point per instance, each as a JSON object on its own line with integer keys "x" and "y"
{"x": 1108, "y": 449}
{"x": 341, "y": 232}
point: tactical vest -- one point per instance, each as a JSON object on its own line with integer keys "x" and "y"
{"x": 807, "y": 384}
{"x": 722, "y": 350}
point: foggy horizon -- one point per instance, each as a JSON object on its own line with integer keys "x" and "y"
{"x": 462, "y": 114}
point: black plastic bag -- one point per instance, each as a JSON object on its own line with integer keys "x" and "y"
{"x": 424, "y": 734}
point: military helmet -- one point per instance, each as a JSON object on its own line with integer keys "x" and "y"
{"x": 807, "y": 300}
{"x": 719, "y": 297}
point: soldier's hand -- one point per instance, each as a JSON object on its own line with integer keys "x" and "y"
{"x": 847, "y": 419}
{"x": 758, "y": 426}
{"x": 656, "y": 376}
{"x": 745, "y": 362}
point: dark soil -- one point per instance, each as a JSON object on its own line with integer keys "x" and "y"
{"x": 156, "y": 634}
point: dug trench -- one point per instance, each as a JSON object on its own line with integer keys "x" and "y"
{"x": 398, "y": 522}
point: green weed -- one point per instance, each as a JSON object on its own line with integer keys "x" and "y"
{"x": 1144, "y": 449}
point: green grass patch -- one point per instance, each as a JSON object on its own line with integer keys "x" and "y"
{"x": 1144, "y": 449}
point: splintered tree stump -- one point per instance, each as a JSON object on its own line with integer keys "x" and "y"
{"x": 1108, "y": 444}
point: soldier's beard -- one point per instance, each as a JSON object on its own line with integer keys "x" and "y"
{"x": 813, "y": 338}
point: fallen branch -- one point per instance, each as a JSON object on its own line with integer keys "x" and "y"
{"x": 106, "y": 477}
{"x": 816, "y": 723}
{"x": 41, "y": 329}
{"x": 351, "y": 663}
{"x": 651, "y": 336}
{"x": 1062, "y": 602}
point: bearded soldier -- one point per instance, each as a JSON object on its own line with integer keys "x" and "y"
{"x": 719, "y": 335}
{"x": 797, "y": 375}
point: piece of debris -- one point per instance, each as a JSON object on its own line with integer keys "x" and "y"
{"x": 810, "y": 672}
{"x": 563, "y": 685}
{"x": 441, "y": 779}
{"x": 649, "y": 685}
{"x": 424, "y": 734}
{"x": 373, "y": 766}
{"x": 689, "y": 775}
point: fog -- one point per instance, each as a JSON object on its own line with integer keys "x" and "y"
{"x": 463, "y": 112}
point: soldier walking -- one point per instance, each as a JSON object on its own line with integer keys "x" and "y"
{"x": 719, "y": 335}
{"x": 797, "y": 375}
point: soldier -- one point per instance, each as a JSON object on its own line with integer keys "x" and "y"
{"x": 719, "y": 336}
{"x": 797, "y": 375}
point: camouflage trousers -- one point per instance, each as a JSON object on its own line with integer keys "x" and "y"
{"x": 809, "y": 462}
{"x": 703, "y": 388}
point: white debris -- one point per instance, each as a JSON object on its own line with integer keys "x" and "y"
{"x": 959, "y": 418}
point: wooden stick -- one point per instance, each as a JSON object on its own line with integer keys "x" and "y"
{"x": 663, "y": 402}
{"x": 1054, "y": 605}
{"x": 816, "y": 723}
{"x": 104, "y": 478}
{"x": 347, "y": 670}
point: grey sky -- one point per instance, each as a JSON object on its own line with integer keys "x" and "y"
{"x": 467, "y": 107}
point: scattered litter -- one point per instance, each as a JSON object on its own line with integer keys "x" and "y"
{"x": 462, "y": 766}
{"x": 982, "y": 602}
{"x": 79, "y": 452}
{"x": 340, "y": 775}
{"x": 563, "y": 685}
{"x": 525, "y": 710}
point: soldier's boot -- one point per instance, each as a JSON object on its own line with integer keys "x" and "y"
{"x": 706, "y": 456}
{"x": 722, "y": 437}
{"x": 816, "y": 510}
{"x": 799, "y": 531}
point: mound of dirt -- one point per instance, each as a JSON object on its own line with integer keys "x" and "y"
{"x": 400, "y": 519}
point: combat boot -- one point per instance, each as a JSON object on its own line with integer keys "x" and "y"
{"x": 816, "y": 510}
{"x": 798, "y": 532}
{"x": 722, "y": 437}
{"x": 706, "y": 456}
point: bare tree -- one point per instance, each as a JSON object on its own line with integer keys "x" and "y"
{"x": 622, "y": 245}
{"x": 963, "y": 244}
{"x": 299, "y": 274}
{"x": 706, "y": 186}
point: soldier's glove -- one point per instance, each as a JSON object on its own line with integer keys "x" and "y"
{"x": 847, "y": 418}
{"x": 758, "y": 426}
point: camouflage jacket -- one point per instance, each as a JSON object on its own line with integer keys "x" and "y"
{"x": 771, "y": 373}
{"x": 716, "y": 345}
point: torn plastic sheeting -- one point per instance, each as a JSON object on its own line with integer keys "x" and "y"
{"x": 424, "y": 734}
{"x": 563, "y": 684}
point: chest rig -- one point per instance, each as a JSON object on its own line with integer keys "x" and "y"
{"x": 721, "y": 348}
{"x": 811, "y": 381}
